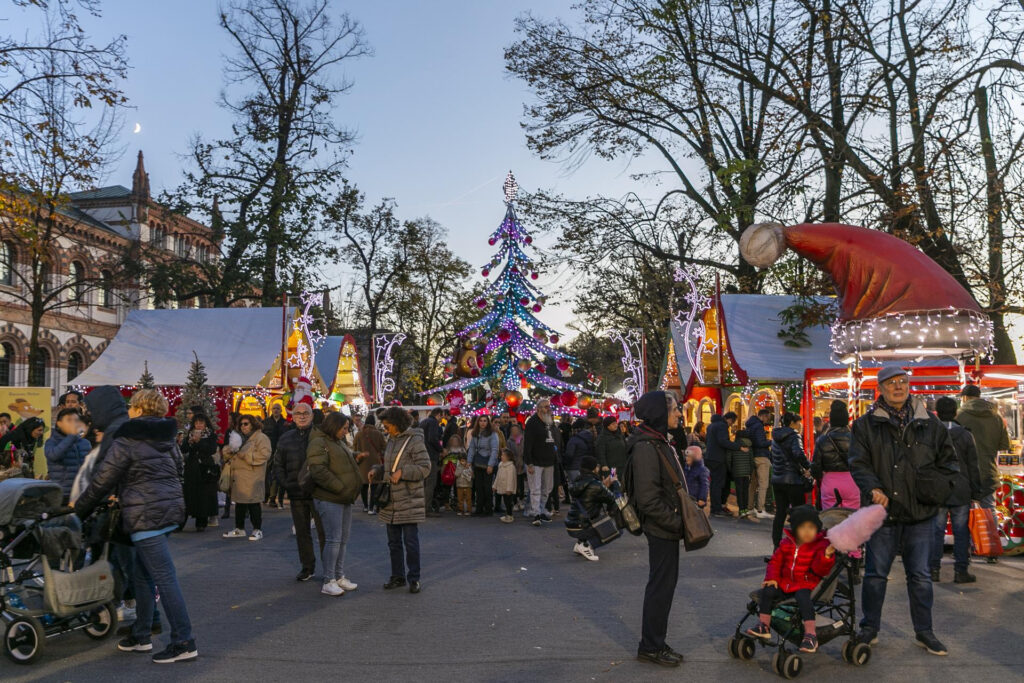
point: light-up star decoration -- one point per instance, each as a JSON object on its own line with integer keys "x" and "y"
{"x": 305, "y": 356}
{"x": 511, "y": 188}
{"x": 632, "y": 361}
{"x": 384, "y": 363}
{"x": 691, "y": 322}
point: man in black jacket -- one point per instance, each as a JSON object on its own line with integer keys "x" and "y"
{"x": 288, "y": 460}
{"x": 657, "y": 503}
{"x": 432, "y": 432}
{"x": 762, "y": 460}
{"x": 541, "y": 443}
{"x": 958, "y": 507}
{"x": 715, "y": 458}
{"x": 901, "y": 457}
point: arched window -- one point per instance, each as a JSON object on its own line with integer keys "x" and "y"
{"x": 45, "y": 275}
{"x": 37, "y": 371}
{"x": 107, "y": 290}
{"x": 6, "y": 364}
{"x": 75, "y": 365}
{"x": 76, "y": 280}
{"x": 6, "y": 263}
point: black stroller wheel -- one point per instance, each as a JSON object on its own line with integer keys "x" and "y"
{"x": 734, "y": 651}
{"x": 24, "y": 639}
{"x": 777, "y": 663}
{"x": 860, "y": 654}
{"x": 102, "y": 622}
{"x": 848, "y": 651}
{"x": 792, "y": 665}
{"x": 745, "y": 648}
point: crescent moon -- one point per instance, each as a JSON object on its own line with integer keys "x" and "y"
{"x": 138, "y": 128}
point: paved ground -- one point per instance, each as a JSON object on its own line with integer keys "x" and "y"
{"x": 512, "y": 603}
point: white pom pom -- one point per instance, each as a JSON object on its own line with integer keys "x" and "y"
{"x": 762, "y": 244}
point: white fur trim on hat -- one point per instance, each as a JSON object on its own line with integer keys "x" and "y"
{"x": 762, "y": 244}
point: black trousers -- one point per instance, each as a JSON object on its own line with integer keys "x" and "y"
{"x": 429, "y": 484}
{"x": 771, "y": 595}
{"x": 482, "y": 494}
{"x": 661, "y": 589}
{"x": 787, "y": 496}
{"x": 255, "y": 513}
{"x": 302, "y": 512}
{"x": 719, "y": 475}
{"x": 743, "y": 493}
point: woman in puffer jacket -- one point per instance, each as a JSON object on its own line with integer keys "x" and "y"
{"x": 143, "y": 469}
{"x": 406, "y": 464}
{"x": 830, "y": 467}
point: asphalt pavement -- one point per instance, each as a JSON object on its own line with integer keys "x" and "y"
{"x": 510, "y": 602}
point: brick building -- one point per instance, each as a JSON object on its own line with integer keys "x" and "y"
{"x": 98, "y": 227}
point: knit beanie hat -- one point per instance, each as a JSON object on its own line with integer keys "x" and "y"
{"x": 610, "y": 420}
{"x": 838, "y": 415}
{"x": 588, "y": 463}
{"x": 802, "y": 514}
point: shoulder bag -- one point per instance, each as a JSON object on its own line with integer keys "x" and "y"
{"x": 224, "y": 483}
{"x": 697, "y": 531}
{"x": 384, "y": 492}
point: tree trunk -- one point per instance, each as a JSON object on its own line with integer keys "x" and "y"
{"x": 996, "y": 276}
{"x": 33, "y": 342}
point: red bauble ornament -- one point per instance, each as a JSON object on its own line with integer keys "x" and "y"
{"x": 556, "y": 400}
{"x": 528, "y": 239}
{"x": 475, "y": 372}
{"x": 524, "y": 301}
{"x": 568, "y": 398}
{"x": 480, "y": 303}
{"x": 486, "y": 272}
{"x": 515, "y": 269}
{"x": 553, "y": 339}
{"x": 562, "y": 364}
{"x": 492, "y": 241}
{"x": 504, "y": 335}
{"x": 541, "y": 368}
{"x": 536, "y": 308}
{"x": 534, "y": 276}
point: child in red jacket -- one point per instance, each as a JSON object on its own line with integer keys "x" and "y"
{"x": 802, "y": 560}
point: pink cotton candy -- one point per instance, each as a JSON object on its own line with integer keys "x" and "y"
{"x": 857, "y": 529}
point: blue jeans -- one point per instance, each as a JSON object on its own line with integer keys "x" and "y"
{"x": 122, "y": 559}
{"x": 959, "y": 515}
{"x": 337, "y": 521}
{"x": 409, "y": 536}
{"x": 153, "y": 564}
{"x": 916, "y": 542}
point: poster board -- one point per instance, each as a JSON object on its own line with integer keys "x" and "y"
{"x": 25, "y": 402}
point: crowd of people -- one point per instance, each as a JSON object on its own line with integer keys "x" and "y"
{"x": 165, "y": 472}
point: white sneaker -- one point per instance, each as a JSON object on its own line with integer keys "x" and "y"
{"x": 234, "y": 533}
{"x": 332, "y": 588}
{"x": 587, "y": 552}
{"x": 761, "y": 514}
{"x": 345, "y": 584}
{"x": 256, "y": 535}
{"x": 508, "y": 519}
{"x": 293, "y": 529}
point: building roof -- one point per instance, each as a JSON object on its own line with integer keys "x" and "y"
{"x": 109, "y": 192}
{"x": 79, "y": 216}
{"x": 752, "y": 325}
{"x": 236, "y": 345}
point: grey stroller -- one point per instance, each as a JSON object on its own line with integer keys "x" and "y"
{"x": 41, "y": 594}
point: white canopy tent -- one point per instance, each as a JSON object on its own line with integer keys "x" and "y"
{"x": 237, "y": 346}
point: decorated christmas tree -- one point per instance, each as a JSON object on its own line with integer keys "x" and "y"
{"x": 196, "y": 393}
{"x": 146, "y": 380}
{"x": 507, "y": 359}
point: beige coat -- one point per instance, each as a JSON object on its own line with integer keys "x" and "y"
{"x": 249, "y": 470}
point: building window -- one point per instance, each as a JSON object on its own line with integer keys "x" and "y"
{"x": 107, "y": 290}
{"x": 45, "y": 276}
{"x": 6, "y": 365}
{"x": 76, "y": 280}
{"x": 158, "y": 237}
{"x": 75, "y": 365}
{"x": 37, "y": 370}
{"x": 6, "y": 263}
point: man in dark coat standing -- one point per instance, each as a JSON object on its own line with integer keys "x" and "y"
{"x": 716, "y": 456}
{"x": 901, "y": 457}
{"x": 288, "y": 460}
{"x": 432, "y": 433}
{"x": 657, "y": 503}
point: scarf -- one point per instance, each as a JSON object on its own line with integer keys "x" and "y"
{"x": 903, "y": 416}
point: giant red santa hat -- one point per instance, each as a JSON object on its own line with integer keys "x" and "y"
{"x": 894, "y": 301}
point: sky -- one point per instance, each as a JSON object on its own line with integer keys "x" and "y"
{"x": 437, "y": 118}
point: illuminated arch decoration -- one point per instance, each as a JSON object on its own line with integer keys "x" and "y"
{"x": 632, "y": 341}
{"x": 384, "y": 363}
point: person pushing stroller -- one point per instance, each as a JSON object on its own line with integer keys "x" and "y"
{"x": 804, "y": 557}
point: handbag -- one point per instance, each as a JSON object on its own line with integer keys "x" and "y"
{"x": 984, "y": 531}
{"x": 697, "y": 531}
{"x": 605, "y": 528}
{"x": 384, "y": 493}
{"x": 224, "y": 483}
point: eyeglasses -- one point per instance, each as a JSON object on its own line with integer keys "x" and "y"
{"x": 896, "y": 382}
{"x": 245, "y": 424}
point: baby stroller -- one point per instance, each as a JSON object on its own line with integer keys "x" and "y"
{"x": 834, "y": 605}
{"x": 38, "y": 601}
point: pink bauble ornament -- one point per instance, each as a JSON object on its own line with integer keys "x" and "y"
{"x": 553, "y": 339}
{"x": 528, "y": 239}
{"x": 492, "y": 241}
{"x": 480, "y": 303}
{"x": 536, "y": 308}
{"x": 486, "y": 272}
{"x": 504, "y": 335}
{"x": 562, "y": 364}
{"x": 534, "y": 275}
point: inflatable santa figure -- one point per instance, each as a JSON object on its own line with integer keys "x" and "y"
{"x": 302, "y": 392}
{"x": 894, "y": 301}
